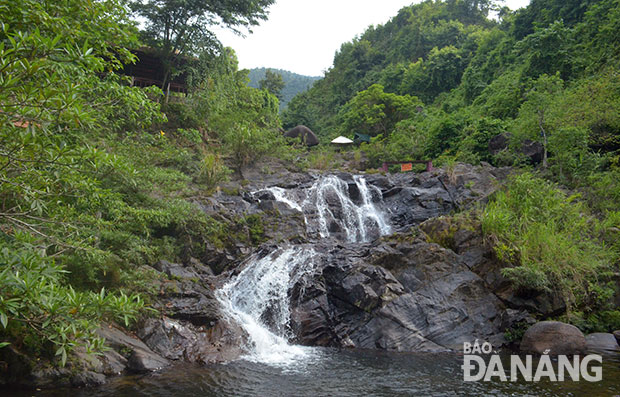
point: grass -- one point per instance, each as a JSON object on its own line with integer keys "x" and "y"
{"x": 547, "y": 238}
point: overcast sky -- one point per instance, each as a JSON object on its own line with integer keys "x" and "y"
{"x": 303, "y": 36}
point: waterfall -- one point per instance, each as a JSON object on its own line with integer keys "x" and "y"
{"x": 258, "y": 297}
{"x": 258, "y": 300}
{"x": 338, "y": 212}
{"x": 280, "y": 195}
{"x": 330, "y": 211}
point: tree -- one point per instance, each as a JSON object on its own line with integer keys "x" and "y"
{"x": 374, "y": 111}
{"x": 178, "y": 28}
{"x": 534, "y": 113}
{"x": 273, "y": 83}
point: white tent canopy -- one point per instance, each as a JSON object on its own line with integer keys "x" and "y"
{"x": 341, "y": 140}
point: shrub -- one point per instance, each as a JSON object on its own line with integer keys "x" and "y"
{"x": 546, "y": 238}
{"x": 35, "y": 304}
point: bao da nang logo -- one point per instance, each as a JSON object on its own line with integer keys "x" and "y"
{"x": 481, "y": 363}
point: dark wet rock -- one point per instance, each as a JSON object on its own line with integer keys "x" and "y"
{"x": 464, "y": 236}
{"x": 190, "y": 301}
{"x": 400, "y": 294}
{"x": 554, "y": 338}
{"x": 499, "y": 142}
{"x": 145, "y": 361}
{"x": 15, "y": 366}
{"x": 87, "y": 379}
{"x": 531, "y": 149}
{"x": 175, "y": 340}
{"x": 113, "y": 363}
{"x": 140, "y": 358}
{"x": 617, "y": 336}
{"x": 175, "y": 270}
{"x": 413, "y": 198}
{"x": 602, "y": 342}
{"x": 50, "y": 377}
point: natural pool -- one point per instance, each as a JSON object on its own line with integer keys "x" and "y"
{"x": 327, "y": 372}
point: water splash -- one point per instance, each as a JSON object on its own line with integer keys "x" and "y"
{"x": 258, "y": 300}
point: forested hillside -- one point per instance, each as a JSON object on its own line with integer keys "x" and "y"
{"x": 457, "y": 78}
{"x": 97, "y": 177}
{"x": 293, "y": 83}
{"x": 538, "y": 89}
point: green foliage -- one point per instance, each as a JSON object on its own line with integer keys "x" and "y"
{"x": 212, "y": 170}
{"x": 248, "y": 143}
{"x": 273, "y": 83}
{"x": 374, "y": 111}
{"x": 546, "y": 238}
{"x": 36, "y": 306}
{"x": 182, "y": 28}
{"x": 441, "y": 72}
{"x": 405, "y": 143}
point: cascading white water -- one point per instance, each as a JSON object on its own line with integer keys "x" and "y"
{"x": 330, "y": 197}
{"x": 258, "y": 300}
{"x": 368, "y": 210}
{"x": 258, "y": 297}
{"x": 280, "y": 195}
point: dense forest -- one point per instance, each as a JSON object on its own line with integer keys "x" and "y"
{"x": 293, "y": 83}
{"x": 99, "y": 179}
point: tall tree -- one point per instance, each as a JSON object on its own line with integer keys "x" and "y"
{"x": 273, "y": 83}
{"x": 178, "y": 28}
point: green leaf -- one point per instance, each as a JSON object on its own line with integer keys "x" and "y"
{"x": 4, "y": 319}
{"x": 62, "y": 352}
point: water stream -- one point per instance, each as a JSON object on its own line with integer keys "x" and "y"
{"x": 258, "y": 300}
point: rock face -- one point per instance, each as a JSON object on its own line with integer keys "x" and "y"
{"x": 602, "y": 342}
{"x": 464, "y": 237}
{"x": 400, "y": 293}
{"x": 534, "y": 151}
{"x": 554, "y": 338}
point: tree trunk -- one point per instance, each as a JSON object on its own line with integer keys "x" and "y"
{"x": 541, "y": 118}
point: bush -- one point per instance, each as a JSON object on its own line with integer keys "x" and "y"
{"x": 35, "y": 305}
{"x": 212, "y": 171}
{"x": 546, "y": 238}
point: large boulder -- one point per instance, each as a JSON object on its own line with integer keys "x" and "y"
{"x": 533, "y": 150}
{"x": 140, "y": 358}
{"x": 499, "y": 142}
{"x": 307, "y": 136}
{"x": 554, "y": 338}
